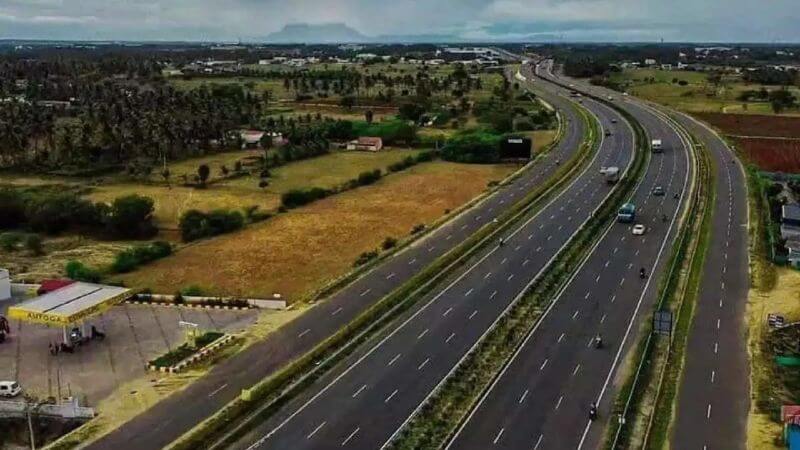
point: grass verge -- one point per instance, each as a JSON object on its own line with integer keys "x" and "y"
{"x": 269, "y": 395}
{"x": 435, "y": 421}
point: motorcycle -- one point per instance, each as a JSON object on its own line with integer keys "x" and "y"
{"x": 598, "y": 342}
{"x": 592, "y": 412}
{"x": 642, "y": 273}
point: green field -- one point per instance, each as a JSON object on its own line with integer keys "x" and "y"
{"x": 699, "y": 95}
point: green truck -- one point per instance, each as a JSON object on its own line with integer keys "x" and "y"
{"x": 627, "y": 213}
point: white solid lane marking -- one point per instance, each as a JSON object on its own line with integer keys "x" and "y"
{"x": 452, "y": 335}
{"x": 718, "y": 324}
{"x": 538, "y": 442}
{"x": 355, "y": 394}
{"x": 468, "y": 292}
{"x": 613, "y": 297}
{"x": 713, "y": 374}
{"x": 472, "y": 315}
{"x": 390, "y": 396}
{"x": 525, "y": 263}
{"x": 365, "y": 292}
{"x": 447, "y": 312}
{"x": 561, "y": 337}
{"x": 344, "y": 442}
{"x": 424, "y": 363}
{"x": 708, "y": 412}
{"x": 716, "y": 347}
{"x": 504, "y": 261}
{"x": 543, "y": 365}
{"x": 422, "y": 334}
{"x": 516, "y": 249}
{"x": 577, "y": 368}
{"x": 338, "y": 310}
{"x": 394, "y": 359}
{"x": 308, "y": 330}
{"x": 559, "y": 402}
{"x": 522, "y": 398}
{"x": 576, "y": 314}
{"x": 310, "y": 435}
{"x": 510, "y": 277}
{"x": 493, "y": 294}
{"x": 488, "y": 274}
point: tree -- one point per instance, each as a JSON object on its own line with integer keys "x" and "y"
{"x": 347, "y": 102}
{"x": 131, "y": 217}
{"x": 203, "y": 172}
{"x": 369, "y": 115}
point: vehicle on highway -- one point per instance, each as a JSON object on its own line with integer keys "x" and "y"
{"x": 611, "y": 174}
{"x": 626, "y": 213}
{"x": 639, "y": 229}
{"x": 658, "y": 191}
{"x": 613, "y": 120}
{"x": 592, "y": 412}
{"x": 607, "y": 133}
{"x": 610, "y": 98}
{"x": 625, "y": 94}
{"x": 10, "y": 389}
{"x": 656, "y": 146}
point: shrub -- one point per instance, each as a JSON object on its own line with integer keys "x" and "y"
{"x": 131, "y": 217}
{"x": 369, "y": 177}
{"x": 402, "y": 165}
{"x": 33, "y": 242}
{"x": 195, "y": 224}
{"x": 79, "y": 272}
{"x": 12, "y": 209}
{"x": 54, "y": 213}
{"x": 134, "y": 257}
{"x": 191, "y": 291}
{"x": 473, "y": 147}
{"x": 418, "y": 228}
{"x": 365, "y": 258}
{"x": 299, "y": 197}
{"x": 389, "y": 243}
{"x": 9, "y": 241}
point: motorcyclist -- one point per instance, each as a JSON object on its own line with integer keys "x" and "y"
{"x": 500, "y": 242}
{"x": 598, "y": 341}
{"x": 642, "y": 273}
{"x": 592, "y": 411}
{"x": 663, "y": 217}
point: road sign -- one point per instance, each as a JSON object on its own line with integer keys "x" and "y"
{"x": 662, "y": 322}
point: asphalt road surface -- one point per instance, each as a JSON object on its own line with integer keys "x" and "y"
{"x": 367, "y": 399}
{"x": 713, "y": 398}
{"x": 181, "y": 411}
{"x": 542, "y": 398}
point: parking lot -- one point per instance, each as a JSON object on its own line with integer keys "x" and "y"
{"x": 134, "y": 334}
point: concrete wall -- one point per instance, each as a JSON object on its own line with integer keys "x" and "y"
{"x": 5, "y": 285}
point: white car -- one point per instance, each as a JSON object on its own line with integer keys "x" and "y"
{"x": 9, "y": 389}
{"x": 639, "y": 229}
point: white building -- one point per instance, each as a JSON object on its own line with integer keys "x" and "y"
{"x": 649, "y": 62}
{"x": 5, "y": 285}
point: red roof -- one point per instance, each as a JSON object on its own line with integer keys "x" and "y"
{"x": 52, "y": 285}
{"x": 366, "y": 140}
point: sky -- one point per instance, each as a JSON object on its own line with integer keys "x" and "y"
{"x": 478, "y": 20}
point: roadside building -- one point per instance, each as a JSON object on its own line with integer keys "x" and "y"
{"x": 790, "y": 221}
{"x": 52, "y": 285}
{"x": 251, "y": 138}
{"x": 649, "y": 62}
{"x": 366, "y": 143}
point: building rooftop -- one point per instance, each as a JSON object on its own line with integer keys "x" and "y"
{"x": 70, "y": 304}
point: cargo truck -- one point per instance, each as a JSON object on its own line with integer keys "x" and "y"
{"x": 627, "y": 213}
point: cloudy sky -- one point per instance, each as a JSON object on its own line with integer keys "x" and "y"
{"x": 573, "y": 20}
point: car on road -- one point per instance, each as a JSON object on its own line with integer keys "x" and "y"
{"x": 10, "y": 389}
{"x": 638, "y": 229}
{"x": 613, "y": 120}
{"x": 658, "y": 191}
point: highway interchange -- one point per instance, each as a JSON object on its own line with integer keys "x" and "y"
{"x": 541, "y": 399}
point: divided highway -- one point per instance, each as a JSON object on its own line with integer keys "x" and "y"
{"x": 178, "y": 413}
{"x": 367, "y": 399}
{"x": 541, "y": 400}
{"x": 713, "y": 398}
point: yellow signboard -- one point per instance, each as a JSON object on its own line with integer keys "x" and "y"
{"x": 20, "y": 312}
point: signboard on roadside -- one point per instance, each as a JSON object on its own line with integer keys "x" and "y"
{"x": 775, "y": 321}
{"x": 662, "y": 322}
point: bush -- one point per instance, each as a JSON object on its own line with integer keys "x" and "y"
{"x": 134, "y": 257}
{"x": 365, "y": 258}
{"x": 12, "y": 209}
{"x": 79, "y": 272}
{"x": 54, "y": 213}
{"x": 131, "y": 217}
{"x": 369, "y": 177}
{"x": 473, "y": 147}
{"x": 33, "y": 242}
{"x": 9, "y": 241}
{"x": 195, "y": 224}
{"x": 418, "y": 228}
{"x": 402, "y": 165}
{"x": 299, "y": 197}
{"x": 389, "y": 243}
{"x": 191, "y": 291}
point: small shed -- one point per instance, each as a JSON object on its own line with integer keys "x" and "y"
{"x": 366, "y": 143}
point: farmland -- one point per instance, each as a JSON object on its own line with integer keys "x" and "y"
{"x": 772, "y": 155}
{"x": 754, "y": 125}
{"x": 693, "y": 91}
{"x": 298, "y": 251}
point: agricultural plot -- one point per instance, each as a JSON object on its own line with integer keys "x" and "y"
{"x": 294, "y": 253}
{"x": 772, "y": 155}
{"x": 754, "y": 125}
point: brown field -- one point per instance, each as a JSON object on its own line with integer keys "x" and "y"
{"x": 753, "y": 125}
{"x": 296, "y": 252}
{"x": 772, "y": 155}
{"x": 325, "y": 171}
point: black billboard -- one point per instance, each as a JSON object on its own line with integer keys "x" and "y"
{"x": 514, "y": 147}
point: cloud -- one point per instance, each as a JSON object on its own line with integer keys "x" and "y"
{"x": 613, "y": 20}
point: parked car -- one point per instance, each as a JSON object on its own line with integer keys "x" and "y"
{"x": 10, "y": 389}
{"x": 658, "y": 191}
{"x": 639, "y": 229}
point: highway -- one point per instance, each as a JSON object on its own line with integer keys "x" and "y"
{"x": 541, "y": 399}
{"x": 178, "y": 413}
{"x": 362, "y": 403}
{"x": 713, "y": 397}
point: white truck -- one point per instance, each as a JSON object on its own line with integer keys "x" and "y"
{"x": 656, "y": 146}
{"x": 611, "y": 173}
